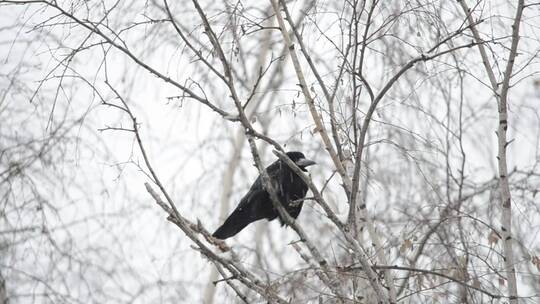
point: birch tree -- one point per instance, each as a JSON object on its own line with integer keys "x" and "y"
{"x": 183, "y": 104}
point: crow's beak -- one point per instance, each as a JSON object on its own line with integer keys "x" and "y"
{"x": 303, "y": 162}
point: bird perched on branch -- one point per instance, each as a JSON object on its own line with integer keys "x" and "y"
{"x": 257, "y": 205}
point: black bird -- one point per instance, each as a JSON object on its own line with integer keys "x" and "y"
{"x": 257, "y": 205}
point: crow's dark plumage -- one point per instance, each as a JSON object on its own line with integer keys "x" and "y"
{"x": 257, "y": 205}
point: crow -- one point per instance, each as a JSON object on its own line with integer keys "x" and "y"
{"x": 257, "y": 205}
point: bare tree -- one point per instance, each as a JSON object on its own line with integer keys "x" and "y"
{"x": 397, "y": 102}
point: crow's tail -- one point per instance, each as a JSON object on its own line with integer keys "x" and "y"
{"x": 234, "y": 224}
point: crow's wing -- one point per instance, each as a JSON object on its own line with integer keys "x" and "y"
{"x": 248, "y": 211}
{"x": 255, "y": 205}
{"x": 257, "y": 190}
